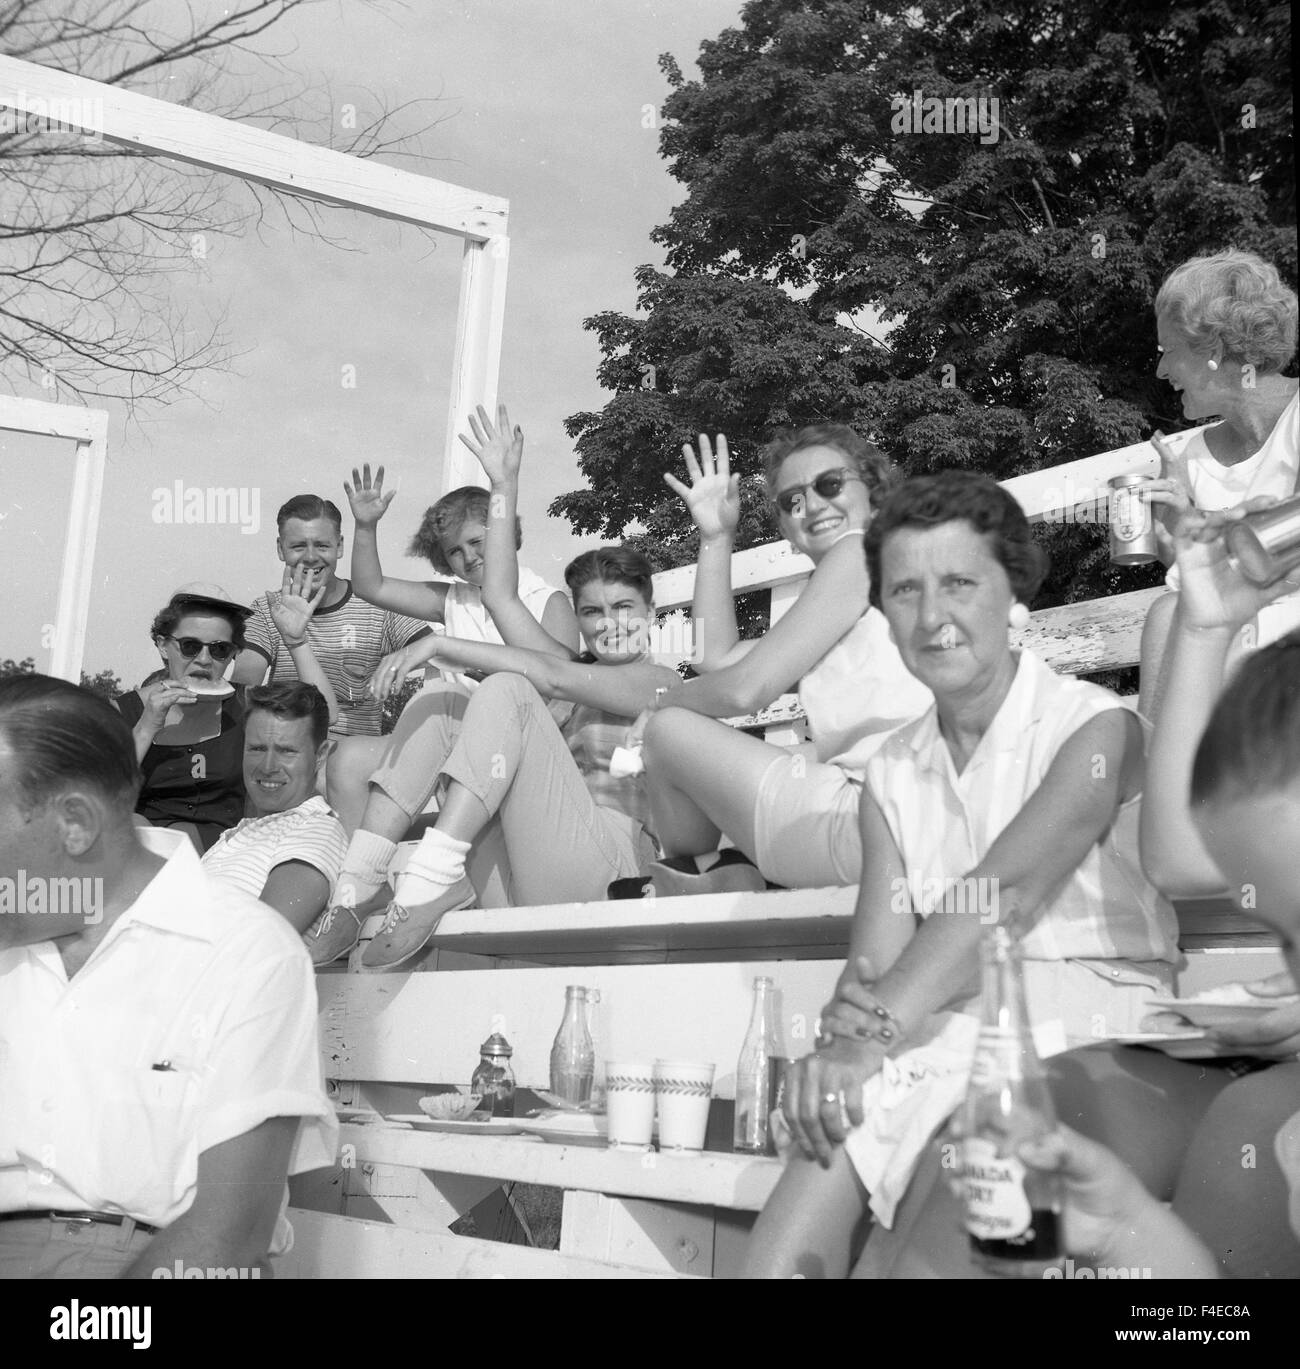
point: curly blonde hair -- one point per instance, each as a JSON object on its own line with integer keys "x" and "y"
{"x": 1237, "y": 300}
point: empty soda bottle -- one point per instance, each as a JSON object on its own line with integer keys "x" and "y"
{"x": 754, "y": 1074}
{"x": 573, "y": 1057}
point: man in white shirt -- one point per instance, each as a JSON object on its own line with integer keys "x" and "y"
{"x": 159, "y": 1062}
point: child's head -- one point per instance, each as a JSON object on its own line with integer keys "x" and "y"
{"x": 613, "y": 598}
{"x": 452, "y": 532}
{"x": 1246, "y": 789}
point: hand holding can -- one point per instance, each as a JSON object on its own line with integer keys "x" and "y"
{"x": 1132, "y": 530}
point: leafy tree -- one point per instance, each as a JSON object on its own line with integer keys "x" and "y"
{"x": 967, "y": 301}
{"x": 105, "y": 683}
{"x": 92, "y": 234}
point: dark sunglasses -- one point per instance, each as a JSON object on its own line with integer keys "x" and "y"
{"x": 190, "y": 647}
{"x": 829, "y": 485}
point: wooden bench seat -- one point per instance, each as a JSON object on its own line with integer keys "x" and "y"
{"x": 328, "y": 1246}
{"x": 797, "y": 924}
{"x": 714, "y": 1178}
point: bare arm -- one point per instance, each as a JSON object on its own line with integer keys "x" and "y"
{"x": 500, "y": 450}
{"x": 291, "y": 614}
{"x": 298, "y": 891}
{"x": 1032, "y": 857}
{"x": 158, "y": 700}
{"x": 620, "y": 689}
{"x": 883, "y": 919}
{"x": 232, "y": 1219}
{"x": 1214, "y": 603}
{"x": 415, "y": 598}
{"x": 713, "y": 499}
{"x": 835, "y": 598}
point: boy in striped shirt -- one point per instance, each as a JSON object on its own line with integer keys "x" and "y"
{"x": 348, "y": 636}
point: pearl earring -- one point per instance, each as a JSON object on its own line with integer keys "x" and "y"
{"x": 1018, "y": 618}
{"x": 1212, "y": 364}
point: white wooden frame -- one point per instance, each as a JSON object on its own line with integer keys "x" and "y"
{"x": 88, "y": 428}
{"x": 149, "y": 125}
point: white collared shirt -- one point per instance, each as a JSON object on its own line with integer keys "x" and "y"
{"x": 191, "y": 1023}
{"x": 945, "y": 823}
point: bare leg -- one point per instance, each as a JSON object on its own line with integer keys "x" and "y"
{"x": 1143, "y": 1104}
{"x": 347, "y": 777}
{"x": 1231, "y": 1190}
{"x": 703, "y": 779}
{"x": 806, "y": 1229}
{"x": 462, "y": 814}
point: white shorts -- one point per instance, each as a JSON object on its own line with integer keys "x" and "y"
{"x": 806, "y": 824}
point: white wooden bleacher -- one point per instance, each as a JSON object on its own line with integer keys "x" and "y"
{"x": 674, "y": 976}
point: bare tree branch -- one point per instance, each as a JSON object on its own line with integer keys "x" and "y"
{"x": 93, "y": 235}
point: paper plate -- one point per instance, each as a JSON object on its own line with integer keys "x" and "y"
{"x": 1205, "y": 1012}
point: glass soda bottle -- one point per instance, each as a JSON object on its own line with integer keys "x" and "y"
{"x": 1013, "y": 1213}
{"x": 753, "y": 1073}
{"x": 573, "y": 1057}
{"x": 493, "y": 1079}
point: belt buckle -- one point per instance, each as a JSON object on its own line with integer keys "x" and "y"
{"x": 74, "y": 1223}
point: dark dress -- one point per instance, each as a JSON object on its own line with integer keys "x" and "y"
{"x": 179, "y": 787}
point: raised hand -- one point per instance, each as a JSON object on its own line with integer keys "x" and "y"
{"x": 368, "y": 498}
{"x": 293, "y": 610}
{"x": 1213, "y": 593}
{"x": 1171, "y": 492}
{"x": 499, "y": 449}
{"x": 713, "y": 496}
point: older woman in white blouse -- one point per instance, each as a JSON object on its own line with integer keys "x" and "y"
{"x": 1013, "y": 799}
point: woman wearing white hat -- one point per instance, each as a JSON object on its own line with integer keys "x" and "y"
{"x": 191, "y": 752}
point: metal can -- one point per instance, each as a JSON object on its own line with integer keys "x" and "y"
{"x": 1265, "y": 545}
{"x": 1132, "y": 529}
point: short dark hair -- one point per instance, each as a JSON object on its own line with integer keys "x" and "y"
{"x": 166, "y": 619}
{"x": 612, "y": 566}
{"x": 292, "y": 699}
{"x": 447, "y": 516}
{"x": 1251, "y": 745}
{"x": 871, "y": 463}
{"x": 307, "y": 508}
{"x": 64, "y": 736}
{"x": 926, "y": 501}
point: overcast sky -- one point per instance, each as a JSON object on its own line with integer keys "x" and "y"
{"x": 546, "y": 100}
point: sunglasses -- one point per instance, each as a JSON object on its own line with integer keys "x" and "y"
{"x": 190, "y": 647}
{"x": 829, "y": 485}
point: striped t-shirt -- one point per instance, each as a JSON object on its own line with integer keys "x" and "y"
{"x": 348, "y": 639}
{"x": 246, "y": 854}
{"x": 592, "y": 735}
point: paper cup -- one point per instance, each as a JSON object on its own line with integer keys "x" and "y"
{"x": 630, "y": 1103}
{"x": 683, "y": 1090}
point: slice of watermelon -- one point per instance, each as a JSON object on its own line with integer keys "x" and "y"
{"x": 209, "y": 689}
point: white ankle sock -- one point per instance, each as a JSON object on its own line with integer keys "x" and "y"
{"x": 435, "y": 865}
{"x": 365, "y": 867}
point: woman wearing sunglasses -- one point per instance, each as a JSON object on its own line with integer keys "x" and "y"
{"x": 792, "y": 811}
{"x": 189, "y": 725}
